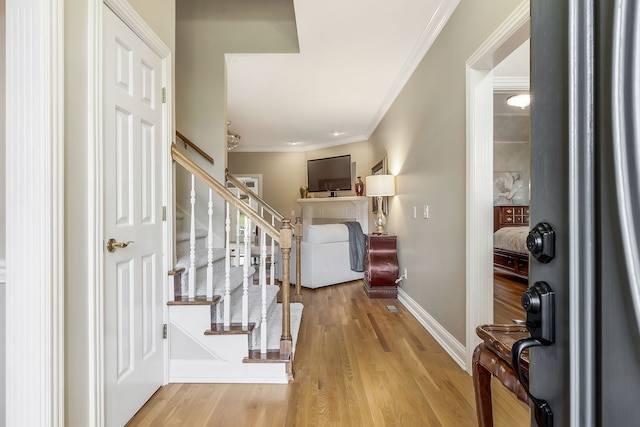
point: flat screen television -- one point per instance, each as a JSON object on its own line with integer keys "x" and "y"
{"x": 329, "y": 174}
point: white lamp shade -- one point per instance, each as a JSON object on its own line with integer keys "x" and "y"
{"x": 380, "y": 185}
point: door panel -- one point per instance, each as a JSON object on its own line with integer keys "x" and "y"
{"x": 133, "y": 280}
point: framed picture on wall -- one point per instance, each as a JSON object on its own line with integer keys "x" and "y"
{"x": 380, "y": 168}
{"x": 509, "y": 189}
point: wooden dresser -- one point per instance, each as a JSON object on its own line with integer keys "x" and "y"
{"x": 381, "y": 266}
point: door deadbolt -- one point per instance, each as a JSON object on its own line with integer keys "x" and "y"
{"x": 541, "y": 242}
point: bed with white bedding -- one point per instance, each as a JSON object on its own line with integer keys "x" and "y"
{"x": 511, "y": 227}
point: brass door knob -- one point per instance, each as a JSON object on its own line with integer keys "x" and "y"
{"x": 112, "y": 244}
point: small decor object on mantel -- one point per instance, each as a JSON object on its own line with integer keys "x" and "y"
{"x": 359, "y": 187}
{"x": 304, "y": 192}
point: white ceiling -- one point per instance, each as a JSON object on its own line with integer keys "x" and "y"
{"x": 355, "y": 57}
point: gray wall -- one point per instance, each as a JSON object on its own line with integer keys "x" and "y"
{"x": 424, "y": 138}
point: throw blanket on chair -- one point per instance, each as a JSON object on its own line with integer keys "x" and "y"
{"x": 356, "y": 245}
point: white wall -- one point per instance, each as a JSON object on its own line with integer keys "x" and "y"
{"x": 424, "y": 137}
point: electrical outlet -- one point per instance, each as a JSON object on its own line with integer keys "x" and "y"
{"x": 405, "y": 274}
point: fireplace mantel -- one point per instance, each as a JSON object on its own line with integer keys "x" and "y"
{"x": 331, "y": 210}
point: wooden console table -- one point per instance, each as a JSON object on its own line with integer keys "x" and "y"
{"x": 492, "y": 357}
{"x": 381, "y": 266}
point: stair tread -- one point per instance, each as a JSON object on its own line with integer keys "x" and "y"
{"x": 179, "y": 300}
{"x": 233, "y": 329}
{"x": 272, "y": 356}
{"x": 201, "y": 257}
{"x": 182, "y": 235}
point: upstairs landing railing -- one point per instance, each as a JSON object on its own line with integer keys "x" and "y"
{"x": 282, "y": 235}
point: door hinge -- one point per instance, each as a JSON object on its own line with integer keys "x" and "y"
{"x": 164, "y": 95}
{"x": 164, "y": 213}
{"x": 164, "y": 331}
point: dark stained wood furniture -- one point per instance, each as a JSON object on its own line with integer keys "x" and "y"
{"x": 506, "y": 261}
{"x": 492, "y": 358}
{"x": 381, "y": 266}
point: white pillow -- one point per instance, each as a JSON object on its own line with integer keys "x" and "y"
{"x": 327, "y": 233}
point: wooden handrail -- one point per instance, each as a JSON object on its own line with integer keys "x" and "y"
{"x": 199, "y": 150}
{"x": 235, "y": 181}
{"x": 223, "y": 192}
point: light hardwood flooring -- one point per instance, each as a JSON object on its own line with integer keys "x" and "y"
{"x": 357, "y": 364}
{"x": 507, "y": 291}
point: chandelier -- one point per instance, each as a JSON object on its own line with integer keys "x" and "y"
{"x": 233, "y": 140}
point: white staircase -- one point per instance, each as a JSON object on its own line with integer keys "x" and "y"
{"x": 245, "y": 345}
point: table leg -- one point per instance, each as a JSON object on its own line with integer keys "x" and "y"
{"x": 482, "y": 388}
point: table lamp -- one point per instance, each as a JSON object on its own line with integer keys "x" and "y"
{"x": 380, "y": 186}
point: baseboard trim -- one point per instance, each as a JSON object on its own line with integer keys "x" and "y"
{"x": 447, "y": 341}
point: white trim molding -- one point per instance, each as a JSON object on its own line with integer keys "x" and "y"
{"x": 504, "y": 83}
{"x": 448, "y": 342}
{"x": 479, "y": 225}
{"x": 3, "y": 272}
{"x": 35, "y": 212}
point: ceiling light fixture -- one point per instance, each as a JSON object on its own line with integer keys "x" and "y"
{"x": 522, "y": 100}
{"x": 233, "y": 140}
{"x": 336, "y": 133}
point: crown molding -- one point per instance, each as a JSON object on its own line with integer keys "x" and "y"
{"x": 504, "y": 83}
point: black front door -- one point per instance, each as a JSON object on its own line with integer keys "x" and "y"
{"x": 585, "y": 182}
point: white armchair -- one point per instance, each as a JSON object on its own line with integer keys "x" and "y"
{"x": 325, "y": 257}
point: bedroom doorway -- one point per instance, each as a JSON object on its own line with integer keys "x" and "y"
{"x": 511, "y": 172}
{"x": 513, "y": 32}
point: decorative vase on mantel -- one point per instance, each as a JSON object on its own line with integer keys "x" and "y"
{"x": 304, "y": 192}
{"x": 359, "y": 187}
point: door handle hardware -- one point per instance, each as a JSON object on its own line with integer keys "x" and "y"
{"x": 539, "y": 303}
{"x": 112, "y": 244}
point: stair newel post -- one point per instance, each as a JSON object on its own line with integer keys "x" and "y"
{"x": 210, "y": 248}
{"x": 285, "y": 246}
{"x": 227, "y": 267}
{"x": 272, "y": 270}
{"x": 297, "y": 230}
{"x": 245, "y": 271}
{"x": 192, "y": 241}
{"x": 263, "y": 284}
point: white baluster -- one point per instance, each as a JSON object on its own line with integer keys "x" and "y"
{"x": 237, "y": 260}
{"x": 245, "y": 276}
{"x": 227, "y": 268}
{"x": 210, "y": 248}
{"x": 263, "y": 284}
{"x": 192, "y": 242}
{"x": 272, "y": 270}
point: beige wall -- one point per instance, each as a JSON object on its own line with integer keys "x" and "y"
{"x": 424, "y": 137}
{"x": 79, "y": 280}
{"x": 282, "y": 176}
{"x": 284, "y": 173}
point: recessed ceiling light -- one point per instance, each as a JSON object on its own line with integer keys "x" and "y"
{"x": 336, "y": 133}
{"x": 293, "y": 143}
{"x": 523, "y": 100}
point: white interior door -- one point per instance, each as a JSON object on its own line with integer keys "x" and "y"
{"x": 133, "y": 280}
